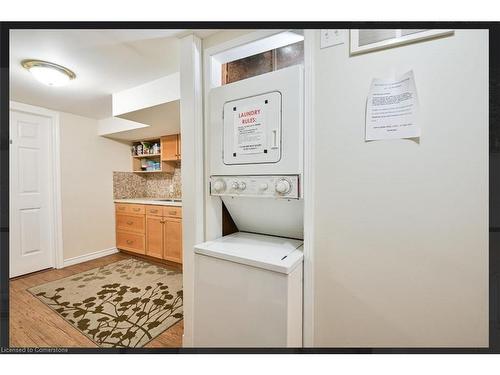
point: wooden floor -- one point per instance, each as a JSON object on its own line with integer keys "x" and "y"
{"x": 33, "y": 324}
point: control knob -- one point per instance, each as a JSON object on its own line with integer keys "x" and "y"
{"x": 283, "y": 186}
{"x": 219, "y": 185}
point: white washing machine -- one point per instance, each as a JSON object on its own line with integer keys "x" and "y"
{"x": 248, "y": 285}
{"x": 249, "y": 292}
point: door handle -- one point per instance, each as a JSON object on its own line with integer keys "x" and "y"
{"x": 275, "y": 139}
{"x": 130, "y": 242}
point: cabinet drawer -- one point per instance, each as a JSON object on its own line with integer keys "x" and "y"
{"x": 128, "y": 208}
{"x": 154, "y": 210}
{"x": 132, "y": 223}
{"x": 121, "y": 208}
{"x": 172, "y": 211}
{"x": 130, "y": 241}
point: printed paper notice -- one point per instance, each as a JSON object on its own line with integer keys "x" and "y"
{"x": 392, "y": 107}
{"x": 249, "y": 128}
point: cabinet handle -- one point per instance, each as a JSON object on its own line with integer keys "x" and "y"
{"x": 130, "y": 242}
{"x": 121, "y": 208}
{"x": 153, "y": 211}
{"x": 130, "y": 222}
{"x": 172, "y": 212}
{"x": 162, "y": 221}
{"x": 136, "y": 209}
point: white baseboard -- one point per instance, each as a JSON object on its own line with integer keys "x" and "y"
{"x": 89, "y": 256}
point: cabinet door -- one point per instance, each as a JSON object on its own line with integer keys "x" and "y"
{"x": 173, "y": 240}
{"x": 169, "y": 148}
{"x": 154, "y": 236}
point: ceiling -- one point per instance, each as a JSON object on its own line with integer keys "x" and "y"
{"x": 162, "y": 119}
{"x": 105, "y": 61}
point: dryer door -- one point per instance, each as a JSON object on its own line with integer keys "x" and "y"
{"x": 255, "y": 126}
{"x": 252, "y": 129}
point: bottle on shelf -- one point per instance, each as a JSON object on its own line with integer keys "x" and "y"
{"x": 155, "y": 149}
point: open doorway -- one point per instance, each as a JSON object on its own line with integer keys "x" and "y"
{"x": 119, "y": 279}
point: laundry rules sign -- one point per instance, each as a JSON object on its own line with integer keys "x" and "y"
{"x": 249, "y": 130}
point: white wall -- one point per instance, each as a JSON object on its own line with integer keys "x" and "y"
{"x": 401, "y": 228}
{"x": 162, "y": 90}
{"x": 87, "y": 165}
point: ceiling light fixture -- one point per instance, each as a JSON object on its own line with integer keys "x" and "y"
{"x": 48, "y": 73}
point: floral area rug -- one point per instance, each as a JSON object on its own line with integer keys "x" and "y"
{"x": 123, "y": 304}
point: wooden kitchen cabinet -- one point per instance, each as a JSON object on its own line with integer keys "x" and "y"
{"x": 172, "y": 211}
{"x": 154, "y": 236}
{"x": 136, "y": 209}
{"x": 130, "y": 227}
{"x": 173, "y": 240}
{"x": 130, "y": 223}
{"x": 129, "y": 241}
{"x": 170, "y": 148}
{"x": 156, "y": 231}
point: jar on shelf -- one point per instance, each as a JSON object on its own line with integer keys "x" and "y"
{"x": 138, "y": 149}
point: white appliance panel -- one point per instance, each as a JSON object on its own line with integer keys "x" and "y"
{"x": 282, "y": 88}
{"x": 268, "y": 252}
{"x": 280, "y": 213}
{"x": 278, "y": 187}
{"x": 278, "y": 217}
{"x": 237, "y": 305}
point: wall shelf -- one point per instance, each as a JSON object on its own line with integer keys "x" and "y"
{"x": 160, "y": 171}
{"x": 165, "y": 160}
{"x": 146, "y": 156}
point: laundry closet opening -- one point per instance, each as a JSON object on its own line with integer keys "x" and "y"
{"x": 252, "y": 262}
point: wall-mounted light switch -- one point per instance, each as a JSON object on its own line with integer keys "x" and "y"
{"x": 332, "y": 37}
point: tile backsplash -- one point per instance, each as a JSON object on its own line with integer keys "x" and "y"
{"x": 147, "y": 185}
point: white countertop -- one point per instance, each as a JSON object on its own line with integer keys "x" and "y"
{"x": 154, "y": 201}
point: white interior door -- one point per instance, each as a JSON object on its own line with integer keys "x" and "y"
{"x": 31, "y": 243}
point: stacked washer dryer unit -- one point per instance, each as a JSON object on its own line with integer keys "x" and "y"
{"x": 248, "y": 285}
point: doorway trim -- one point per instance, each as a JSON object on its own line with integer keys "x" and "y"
{"x": 55, "y": 180}
{"x": 193, "y": 206}
{"x": 309, "y": 188}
